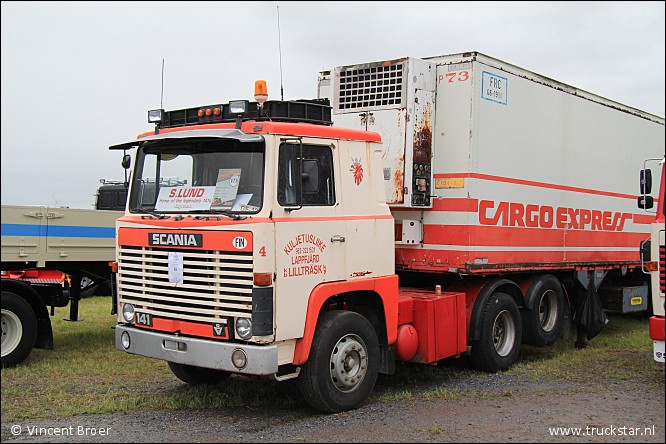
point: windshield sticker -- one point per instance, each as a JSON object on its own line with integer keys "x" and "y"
{"x": 241, "y": 201}
{"x": 184, "y": 198}
{"x": 226, "y": 188}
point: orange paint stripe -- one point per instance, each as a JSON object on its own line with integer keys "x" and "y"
{"x": 185, "y": 223}
{"x": 334, "y": 218}
{"x": 212, "y": 240}
{"x": 287, "y": 128}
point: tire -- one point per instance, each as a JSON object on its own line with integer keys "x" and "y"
{"x": 543, "y": 320}
{"x": 501, "y": 333}
{"x": 343, "y": 364}
{"x": 192, "y": 375}
{"x": 19, "y": 329}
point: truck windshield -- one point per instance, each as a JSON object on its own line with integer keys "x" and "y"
{"x": 198, "y": 176}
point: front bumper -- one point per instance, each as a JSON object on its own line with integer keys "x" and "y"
{"x": 261, "y": 359}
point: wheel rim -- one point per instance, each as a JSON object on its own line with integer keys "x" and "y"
{"x": 504, "y": 333}
{"x": 349, "y": 363}
{"x": 12, "y": 330}
{"x": 548, "y": 310}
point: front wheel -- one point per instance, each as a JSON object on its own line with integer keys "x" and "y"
{"x": 19, "y": 329}
{"x": 501, "y": 333}
{"x": 192, "y": 375}
{"x": 343, "y": 364}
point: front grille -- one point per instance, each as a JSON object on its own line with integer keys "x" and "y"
{"x": 371, "y": 86}
{"x": 216, "y": 284}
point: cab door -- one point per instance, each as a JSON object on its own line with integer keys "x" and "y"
{"x": 310, "y": 232}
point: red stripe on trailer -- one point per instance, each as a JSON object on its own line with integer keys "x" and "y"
{"x": 533, "y": 183}
{"x": 464, "y": 235}
{"x": 482, "y": 261}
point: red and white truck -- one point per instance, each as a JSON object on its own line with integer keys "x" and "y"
{"x": 653, "y": 254}
{"x": 459, "y": 205}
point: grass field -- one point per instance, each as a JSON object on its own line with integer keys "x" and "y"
{"x": 86, "y": 374}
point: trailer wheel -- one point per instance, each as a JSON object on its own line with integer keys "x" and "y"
{"x": 192, "y": 375}
{"x": 501, "y": 332}
{"x": 19, "y": 329}
{"x": 542, "y": 322}
{"x": 343, "y": 364}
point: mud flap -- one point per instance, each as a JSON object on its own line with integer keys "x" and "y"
{"x": 386, "y": 360}
{"x": 589, "y": 314}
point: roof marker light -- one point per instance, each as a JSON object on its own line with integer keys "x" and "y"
{"x": 260, "y": 92}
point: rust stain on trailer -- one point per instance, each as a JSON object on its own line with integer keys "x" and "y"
{"x": 399, "y": 180}
{"x": 423, "y": 136}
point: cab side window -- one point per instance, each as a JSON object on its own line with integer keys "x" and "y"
{"x": 310, "y": 176}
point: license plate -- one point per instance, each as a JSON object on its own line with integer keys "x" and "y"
{"x": 143, "y": 319}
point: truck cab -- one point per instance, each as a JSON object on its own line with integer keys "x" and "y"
{"x": 242, "y": 227}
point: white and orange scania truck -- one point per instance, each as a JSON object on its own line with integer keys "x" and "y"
{"x": 460, "y": 205}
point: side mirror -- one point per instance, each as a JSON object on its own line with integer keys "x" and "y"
{"x": 645, "y": 202}
{"x": 645, "y": 250}
{"x": 126, "y": 162}
{"x": 310, "y": 176}
{"x": 646, "y": 181}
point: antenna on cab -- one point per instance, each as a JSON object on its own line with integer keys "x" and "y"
{"x": 280, "y": 51}
{"x": 162, "y": 92}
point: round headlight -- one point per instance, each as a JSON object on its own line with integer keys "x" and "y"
{"x": 244, "y": 328}
{"x": 239, "y": 359}
{"x": 128, "y": 312}
{"x": 125, "y": 340}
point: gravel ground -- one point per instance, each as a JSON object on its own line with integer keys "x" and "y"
{"x": 489, "y": 408}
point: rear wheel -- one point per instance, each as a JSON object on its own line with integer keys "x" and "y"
{"x": 343, "y": 364}
{"x": 501, "y": 332}
{"x": 192, "y": 375}
{"x": 542, "y": 322}
{"x": 19, "y": 329}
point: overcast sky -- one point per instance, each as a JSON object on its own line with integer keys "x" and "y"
{"x": 78, "y": 77}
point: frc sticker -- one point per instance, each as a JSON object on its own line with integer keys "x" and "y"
{"x": 494, "y": 88}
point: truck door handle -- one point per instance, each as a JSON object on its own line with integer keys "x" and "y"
{"x": 338, "y": 238}
{"x": 35, "y": 214}
{"x": 54, "y": 215}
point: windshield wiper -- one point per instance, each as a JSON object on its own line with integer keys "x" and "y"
{"x": 215, "y": 213}
{"x": 156, "y": 214}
